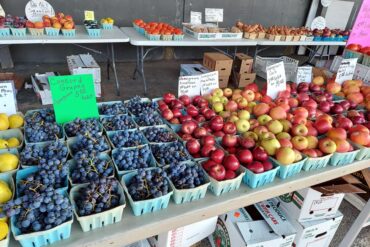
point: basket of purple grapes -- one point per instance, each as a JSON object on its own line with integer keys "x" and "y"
{"x": 112, "y": 108}
{"x": 18, "y": 25}
{"x": 130, "y": 159}
{"x": 119, "y": 122}
{"x": 126, "y": 138}
{"x": 137, "y": 105}
{"x": 98, "y": 204}
{"x": 188, "y": 181}
{"x": 149, "y": 119}
{"x": 168, "y": 153}
{"x": 148, "y": 190}
{"x": 81, "y": 126}
{"x": 87, "y": 166}
{"x": 159, "y": 134}
{"x": 91, "y": 142}
{"x": 39, "y": 219}
{"x": 33, "y": 154}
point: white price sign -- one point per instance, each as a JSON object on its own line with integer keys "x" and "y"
{"x": 36, "y": 9}
{"x": 7, "y": 98}
{"x": 214, "y": 15}
{"x": 304, "y": 74}
{"x": 208, "y": 82}
{"x": 195, "y": 17}
{"x": 2, "y": 12}
{"x": 189, "y": 85}
{"x": 318, "y": 23}
{"x": 346, "y": 70}
{"x": 276, "y": 79}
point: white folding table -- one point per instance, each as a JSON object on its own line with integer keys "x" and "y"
{"x": 109, "y": 37}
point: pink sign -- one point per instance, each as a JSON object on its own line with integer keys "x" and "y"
{"x": 360, "y": 32}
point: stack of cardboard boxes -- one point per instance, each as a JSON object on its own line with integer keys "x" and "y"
{"x": 215, "y": 61}
{"x": 243, "y": 66}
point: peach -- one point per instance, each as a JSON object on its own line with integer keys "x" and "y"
{"x": 57, "y": 25}
{"x": 360, "y": 137}
{"x": 68, "y": 25}
{"x": 278, "y": 112}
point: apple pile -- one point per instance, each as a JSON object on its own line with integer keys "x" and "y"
{"x": 256, "y": 161}
{"x": 221, "y": 166}
{"x": 201, "y": 148}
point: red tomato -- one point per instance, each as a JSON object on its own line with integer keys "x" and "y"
{"x": 354, "y": 47}
{"x": 365, "y": 50}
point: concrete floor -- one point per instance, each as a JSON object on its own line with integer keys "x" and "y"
{"x": 161, "y": 77}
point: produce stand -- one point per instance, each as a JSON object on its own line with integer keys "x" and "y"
{"x": 109, "y": 37}
{"x": 134, "y": 228}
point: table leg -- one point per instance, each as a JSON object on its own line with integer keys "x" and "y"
{"x": 141, "y": 67}
{"x": 114, "y": 69}
{"x": 137, "y": 62}
{"x": 356, "y": 226}
{"x": 108, "y": 62}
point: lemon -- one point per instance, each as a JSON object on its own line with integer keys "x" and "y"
{"x": 3, "y": 144}
{"x": 4, "y": 230}
{"x": 4, "y": 122}
{"x": 5, "y": 192}
{"x": 15, "y": 121}
{"x": 8, "y": 162}
{"x": 13, "y": 142}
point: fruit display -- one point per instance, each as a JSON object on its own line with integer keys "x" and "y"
{"x": 222, "y": 166}
{"x": 137, "y": 106}
{"x": 185, "y": 176}
{"x": 12, "y": 142}
{"x": 8, "y": 162}
{"x": 159, "y": 134}
{"x": 90, "y": 142}
{"x": 158, "y": 30}
{"x": 107, "y": 23}
{"x": 120, "y": 122}
{"x": 126, "y": 138}
{"x": 173, "y": 152}
{"x": 33, "y": 155}
{"x": 11, "y": 122}
{"x": 91, "y": 24}
{"x": 98, "y": 196}
{"x": 251, "y": 31}
{"x": 82, "y": 126}
{"x": 127, "y": 159}
{"x": 149, "y": 119}
{"x": 115, "y": 108}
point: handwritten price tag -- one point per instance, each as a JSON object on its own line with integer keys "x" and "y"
{"x": 208, "y": 82}
{"x": 36, "y": 9}
{"x": 89, "y": 15}
{"x": 318, "y": 23}
{"x": 195, "y": 17}
{"x": 189, "y": 85}
{"x": 73, "y": 96}
{"x": 304, "y": 74}
{"x": 214, "y": 15}
{"x": 346, "y": 70}
{"x": 276, "y": 79}
{"x": 8, "y": 103}
{"x": 360, "y": 32}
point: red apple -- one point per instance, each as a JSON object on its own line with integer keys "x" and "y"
{"x": 311, "y": 131}
{"x": 185, "y": 100}
{"x": 324, "y": 106}
{"x": 217, "y": 155}
{"x": 229, "y": 128}
{"x": 217, "y": 172}
{"x": 199, "y": 119}
{"x": 175, "y": 121}
{"x": 218, "y": 133}
{"x": 267, "y": 165}
{"x": 176, "y": 113}
{"x": 337, "y": 109}
{"x": 208, "y": 164}
{"x": 196, "y": 99}
{"x": 231, "y": 106}
{"x": 199, "y": 132}
{"x": 216, "y": 123}
{"x": 192, "y": 111}
{"x": 193, "y": 146}
{"x": 231, "y": 162}
{"x": 252, "y": 86}
{"x": 246, "y": 142}
{"x": 186, "y": 137}
{"x": 245, "y": 156}
{"x": 185, "y": 118}
{"x": 167, "y": 114}
{"x": 188, "y": 127}
{"x": 259, "y": 154}
{"x": 230, "y": 174}
{"x": 229, "y": 140}
{"x": 208, "y": 140}
{"x": 168, "y": 97}
{"x": 344, "y": 123}
{"x": 163, "y": 107}
{"x": 256, "y": 167}
{"x": 322, "y": 126}
{"x": 176, "y": 104}
{"x": 206, "y": 150}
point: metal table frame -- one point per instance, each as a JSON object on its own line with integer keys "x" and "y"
{"x": 109, "y": 37}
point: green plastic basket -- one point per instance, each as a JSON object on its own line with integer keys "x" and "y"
{"x": 316, "y": 163}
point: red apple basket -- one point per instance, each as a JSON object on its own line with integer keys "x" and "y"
{"x": 316, "y": 163}
{"x": 255, "y": 180}
{"x": 340, "y": 159}
{"x": 287, "y": 171}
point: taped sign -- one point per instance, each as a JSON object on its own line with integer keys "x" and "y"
{"x": 276, "y": 79}
{"x": 195, "y": 17}
{"x": 214, "y": 15}
{"x": 189, "y": 85}
{"x": 346, "y": 70}
{"x": 36, "y": 9}
{"x": 8, "y": 103}
{"x": 304, "y": 74}
{"x": 208, "y": 82}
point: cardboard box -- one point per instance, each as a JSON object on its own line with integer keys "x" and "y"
{"x": 192, "y": 69}
{"x": 243, "y": 63}
{"x": 10, "y": 76}
{"x": 363, "y": 176}
{"x": 40, "y": 84}
{"x": 185, "y": 236}
{"x": 245, "y": 79}
{"x": 319, "y": 202}
{"x": 218, "y": 61}
{"x": 223, "y": 81}
{"x": 84, "y": 64}
{"x": 316, "y": 233}
{"x": 262, "y": 225}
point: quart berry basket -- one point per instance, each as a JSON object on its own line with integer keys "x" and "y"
{"x": 8, "y": 179}
{"x": 65, "y": 132}
{"x": 102, "y": 219}
{"x": 4, "y": 32}
{"x": 73, "y": 140}
{"x": 110, "y": 135}
{"x": 100, "y": 104}
{"x": 316, "y": 163}
{"x": 188, "y": 195}
{"x": 145, "y": 206}
{"x": 222, "y": 187}
{"x": 15, "y": 152}
{"x": 107, "y": 26}
{"x": 254, "y": 180}
{"x": 151, "y": 161}
{"x": 340, "y": 159}
{"x": 163, "y": 126}
{"x": 154, "y": 37}
{"x": 69, "y": 32}
{"x": 167, "y": 37}
{"x": 178, "y": 37}
{"x": 136, "y": 119}
{"x": 51, "y": 31}
{"x": 72, "y": 165}
{"x": 36, "y": 31}
{"x": 18, "y": 32}
{"x": 166, "y": 144}
{"x": 94, "y": 32}
{"x": 131, "y": 119}
{"x": 147, "y": 100}
{"x": 287, "y": 171}
{"x": 6, "y": 134}
{"x": 61, "y": 136}
{"x": 42, "y": 238}
{"x": 22, "y": 174}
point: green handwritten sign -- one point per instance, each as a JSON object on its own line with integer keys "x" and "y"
{"x": 73, "y": 96}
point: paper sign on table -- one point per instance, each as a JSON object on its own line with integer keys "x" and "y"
{"x": 304, "y": 74}
{"x": 360, "y": 32}
{"x": 89, "y": 15}
{"x": 73, "y": 96}
{"x": 276, "y": 79}
{"x": 2, "y": 12}
{"x": 189, "y": 85}
{"x": 318, "y": 23}
{"x": 214, "y": 15}
{"x": 346, "y": 70}
{"x": 8, "y": 103}
{"x": 36, "y": 9}
{"x": 195, "y": 17}
{"x": 208, "y": 82}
